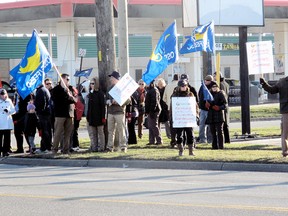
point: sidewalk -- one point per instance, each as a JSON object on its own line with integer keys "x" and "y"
{"x": 148, "y": 164}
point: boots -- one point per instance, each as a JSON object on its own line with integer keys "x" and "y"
{"x": 190, "y": 146}
{"x": 181, "y": 149}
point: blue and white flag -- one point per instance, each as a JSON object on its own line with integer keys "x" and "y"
{"x": 207, "y": 96}
{"x": 86, "y": 73}
{"x": 202, "y": 39}
{"x": 30, "y": 72}
{"x": 164, "y": 54}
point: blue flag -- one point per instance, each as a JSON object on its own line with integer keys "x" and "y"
{"x": 206, "y": 93}
{"x": 30, "y": 72}
{"x": 164, "y": 54}
{"x": 86, "y": 73}
{"x": 202, "y": 39}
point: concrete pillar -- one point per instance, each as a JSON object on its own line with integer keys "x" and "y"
{"x": 281, "y": 48}
{"x": 123, "y": 56}
{"x": 66, "y": 49}
{"x": 194, "y": 67}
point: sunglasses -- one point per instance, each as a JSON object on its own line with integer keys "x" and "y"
{"x": 48, "y": 83}
{"x": 92, "y": 83}
{"x": 141, "y": 83}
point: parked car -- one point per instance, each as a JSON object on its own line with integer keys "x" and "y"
{"x": 10, "y": 90}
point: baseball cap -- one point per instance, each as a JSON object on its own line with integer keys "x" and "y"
{"x": 115, "y": 74}
{"x": 184, "y": 76}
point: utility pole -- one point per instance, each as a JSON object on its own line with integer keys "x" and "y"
{"x": 123, "y": 45}
{"x": 105, "y": 40}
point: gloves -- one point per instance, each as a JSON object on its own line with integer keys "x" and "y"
{"x": 14, "y": 122}
{"x": 262, "y": 80}
{"x": 216, "y": 108}
{"x": 5, "y": 110}
{"x": 128, "y": 116}
{"x": 40, "y": 133}
{"x": 207, "y": 105}
{"x": 103, "y": 120}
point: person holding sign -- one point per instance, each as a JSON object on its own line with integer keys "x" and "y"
{"x": 116, "y": 118}
{"x": 280, "y": 87}
{"x": 216, "y": 115}
{"x": 183, "y": 91}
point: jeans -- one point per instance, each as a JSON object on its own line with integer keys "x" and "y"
{"x": 204, "y": 130}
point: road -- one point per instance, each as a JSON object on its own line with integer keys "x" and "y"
{"x": 124, "y": 191}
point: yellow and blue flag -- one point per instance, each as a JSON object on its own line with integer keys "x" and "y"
{"x": 207, "y": 96}
{"x": 164, "y": 54}
{"x": 202, "y": 39}
{"x": 30, "y": 72}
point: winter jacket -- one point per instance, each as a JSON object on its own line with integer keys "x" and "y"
{"x": 31, "y": 122}
{"x": 221, "y": 101}
{"x": 6, "y": 122}
{"x": 152, "y": 101}
{"x": 64, "y": 104}
{"x": 96, "y": 108}
{"x": 42, "y": 101}
{"x": 280, "y": 87}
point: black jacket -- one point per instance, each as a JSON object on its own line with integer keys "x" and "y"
{"x": 213, "y": 115}
{"x": 42, "y": 101}
{"x": 96, "y": 108}
{"x": 64, "y": 104}
{"x": 152, "y": 101}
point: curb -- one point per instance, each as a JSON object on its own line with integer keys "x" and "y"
{"x": 142, "y": 164}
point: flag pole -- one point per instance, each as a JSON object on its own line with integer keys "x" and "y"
{"x": 61, "y": 80}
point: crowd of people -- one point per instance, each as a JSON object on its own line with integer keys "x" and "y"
{"x": 56, "y": 113}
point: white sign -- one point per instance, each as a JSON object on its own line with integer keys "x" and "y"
{"x": 260, "y": 57}
{"x": 82, "y": 52}
{"x": 184, "y": 112}
{"x": 123, "y": 89}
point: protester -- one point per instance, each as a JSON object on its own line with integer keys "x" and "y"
{"x": 216, "y": 116}
{"x": 78, "y": 113}
{"x": 131, "y": 117}
{"x": 6, "y": 122}
{"x": 18, "y": 120}
{"x": 169, "y": 90}
{"x": 95, "y": 112}
{"x": 280, "y": 87}
{"x": 140, "y": 98}
{"x": 49, "y": 85}
{"x": 184, "y": 91}
{"x": 225, "y": 87}
{"x": 164, "y": 115}
{"x": 64, "y": 104}
{"x": 31, "y": 122}
{"x": 204, "y": 130}
{"x": 153, "y": 109}
{"x": 43, "y": 110}
{"x": 116, "y": 118}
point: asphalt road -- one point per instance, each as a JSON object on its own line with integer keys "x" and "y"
{"x": 124, "y": 191}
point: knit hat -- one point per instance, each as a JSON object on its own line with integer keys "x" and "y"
{"x": 30, "y": 107}
{"x": 213, "y": 83}
{"x": 209, "y": 78}
{"x": 3, "y": 91}
{"x": 182, "y": 83}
